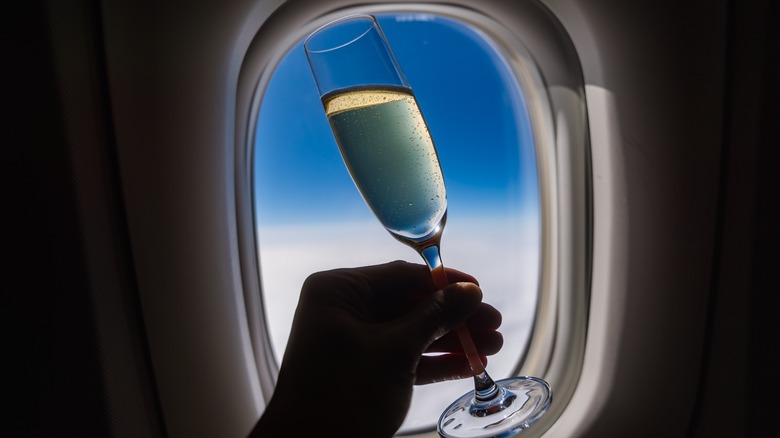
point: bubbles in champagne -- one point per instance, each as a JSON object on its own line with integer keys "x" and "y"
{"x": 390, "y": 154}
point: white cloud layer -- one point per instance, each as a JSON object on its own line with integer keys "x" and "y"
{"x": 502, "y": 253}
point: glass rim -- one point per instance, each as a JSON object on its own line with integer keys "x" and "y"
{"x": 369, "y": 17}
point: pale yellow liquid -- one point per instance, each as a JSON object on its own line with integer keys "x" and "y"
{"x": 390, "y": 154}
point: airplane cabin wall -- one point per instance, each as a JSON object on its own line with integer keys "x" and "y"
{"x": 739, "y": 384}
{"x": 655, "y": 86}
{"x": 703, "y": 72}
{"x": 76, "y": 362}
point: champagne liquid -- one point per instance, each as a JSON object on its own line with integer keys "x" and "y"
{"x": 390, "y": 154}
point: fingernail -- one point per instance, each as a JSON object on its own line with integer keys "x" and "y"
{"x": 464, "y": 294}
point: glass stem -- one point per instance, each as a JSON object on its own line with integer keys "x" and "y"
{"x": 484, "y": 387}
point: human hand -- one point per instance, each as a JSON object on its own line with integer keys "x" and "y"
{"x": 357, "y": 343}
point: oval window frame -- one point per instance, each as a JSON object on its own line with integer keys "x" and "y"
{"x": 551, "y": 79}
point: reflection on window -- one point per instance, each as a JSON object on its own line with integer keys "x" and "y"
{"x": 310, "y": 217}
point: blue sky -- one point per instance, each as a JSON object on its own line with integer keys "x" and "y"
{"x": 468, "y": 97}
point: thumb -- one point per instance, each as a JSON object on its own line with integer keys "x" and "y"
{"x": 443, "y": 310}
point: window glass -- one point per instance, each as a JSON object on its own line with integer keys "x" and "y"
{"x": 310, "y": 217}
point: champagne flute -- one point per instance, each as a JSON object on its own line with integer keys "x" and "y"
{"x": 386, "y": 146}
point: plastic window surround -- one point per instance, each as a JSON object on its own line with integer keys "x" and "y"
{"x": 544, "y": 61}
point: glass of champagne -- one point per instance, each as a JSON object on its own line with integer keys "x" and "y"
{"x": 386, "y": 146}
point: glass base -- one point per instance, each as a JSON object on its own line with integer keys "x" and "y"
{"x": 520, "y": 402}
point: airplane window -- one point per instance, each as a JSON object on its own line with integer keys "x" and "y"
{"x": 310, "y": 217}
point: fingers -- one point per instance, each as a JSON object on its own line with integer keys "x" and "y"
{"x": 440, "y": 368}
{"x": 456, "y": 276}
{"x": 486, "y": 317}
{"x": 401, "y": 275}
{"x": 440, "y": 312}
{"x": 389, "y": 289}
{"x": 482, "y": 325}
{"x": 487, "y": 343}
